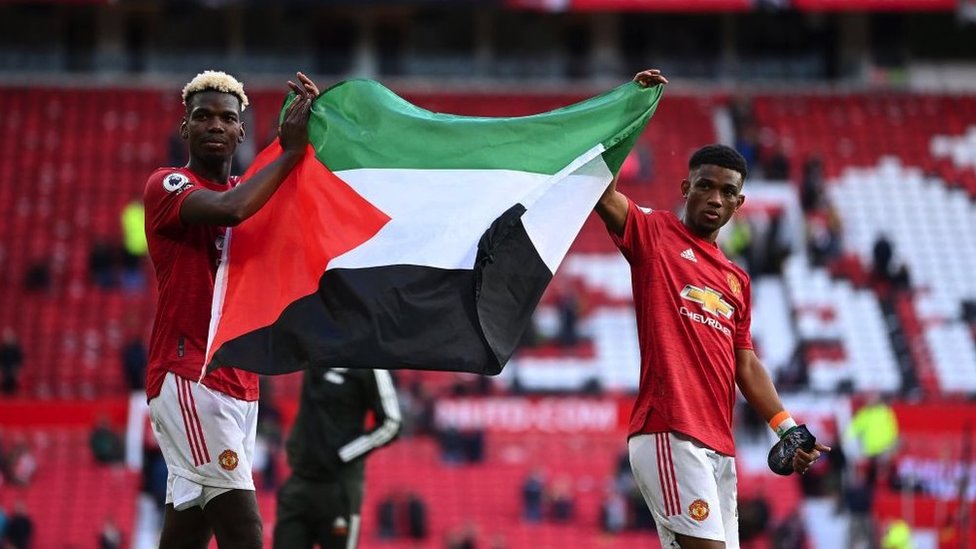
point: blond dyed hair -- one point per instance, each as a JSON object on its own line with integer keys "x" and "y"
{"x": 215, "y": 81}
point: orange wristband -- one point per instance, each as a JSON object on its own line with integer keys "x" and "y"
{"x": 777, "y": 419}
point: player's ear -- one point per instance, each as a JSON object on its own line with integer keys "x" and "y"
{"x": 184, "y": 132}
{"x": 742, "y": 200}
{"x": 240, "y": 138}
{"x": 685, "y": 187}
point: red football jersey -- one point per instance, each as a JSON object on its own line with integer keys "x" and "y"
{"x": 185, "y": 258}
{"x": 693, "y": 311}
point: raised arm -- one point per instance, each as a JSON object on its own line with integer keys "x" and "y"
{"x": 758, "y": 389}
{"x": 234, "y": 206}
{"x": 612, "y": 206}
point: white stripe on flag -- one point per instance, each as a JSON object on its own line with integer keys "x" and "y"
{"x": 217, "y": 305}
{"x": 554, "y": 220}
{"x": 437, "y": 216}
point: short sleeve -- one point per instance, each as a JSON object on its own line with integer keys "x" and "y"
{"x": 165, "y": 192}
{"x": 639, "y": 234}
{"x": 743, "y": 326}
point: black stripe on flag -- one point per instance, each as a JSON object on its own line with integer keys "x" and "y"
{"x": 407, "y": 316}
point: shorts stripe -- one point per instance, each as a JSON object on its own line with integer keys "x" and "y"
{"x": 674, "y": 477}
{"x": 190, "y": 420}
{"x": 199, "y": 427}
{"x": 662, "y": 472}
{"x": 186, "y": 421}
{"x": 665, "y": 470}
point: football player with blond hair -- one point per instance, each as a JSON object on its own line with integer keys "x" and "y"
{"x": 206, "y": 427}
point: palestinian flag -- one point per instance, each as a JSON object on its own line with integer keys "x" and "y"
{"x": 413, "y": 239}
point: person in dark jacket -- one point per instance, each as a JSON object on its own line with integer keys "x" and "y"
{"x": 320, "y": 503}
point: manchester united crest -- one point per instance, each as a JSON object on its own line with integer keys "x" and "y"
{"x": 734, "y": 284}
{"x": 228, "y": 460}
{"x": 698, "y": 510}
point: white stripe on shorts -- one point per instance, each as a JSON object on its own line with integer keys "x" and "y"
{"x": 191, "y": 421}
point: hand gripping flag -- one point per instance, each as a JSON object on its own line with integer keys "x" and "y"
{"x": 413, "y": 239}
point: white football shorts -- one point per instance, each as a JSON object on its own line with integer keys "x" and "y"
{"x": 689, "y": 488}
{"x": 207, "y": 440}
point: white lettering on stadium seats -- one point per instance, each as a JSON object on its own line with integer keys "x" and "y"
{"x": 707, "y": 321}
{"x": 560, "y": 415}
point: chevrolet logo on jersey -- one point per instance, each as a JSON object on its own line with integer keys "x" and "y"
{"x": 710, "y": 300}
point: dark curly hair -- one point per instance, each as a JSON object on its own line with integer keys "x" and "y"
{"x": 721, "y": 156}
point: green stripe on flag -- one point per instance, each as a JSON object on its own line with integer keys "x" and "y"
{"x": 362, "y": 124}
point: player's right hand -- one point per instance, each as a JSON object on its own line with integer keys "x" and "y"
{"x": 293, "y": 131}
{"x": 785, "y": 457}
{"x": 650, "y": 77}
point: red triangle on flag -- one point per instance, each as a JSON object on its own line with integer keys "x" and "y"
{"x": 279, "y": 254}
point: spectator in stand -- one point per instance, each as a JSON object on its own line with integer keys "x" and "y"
{"x": 21, "y": 464}
{"x": 135, "y": 357}
{"x": 747, "y": 143}
{"x": 791, "y": 533}
{"x": 872, "y": 435}
{"x": 568, "y": 306}
{"x": 858, "y": 501}
{"x": 777, "y": 166}
{"x": 154, "y": 471}
{"x": 882, "y": 254}
{"x": 37, "y": 277}
{"x": 105, "y": 443}
{"x": 270, "y": 434}
{"x": 11, "y": 361}
{"x": 737, "y": 243}
{"x": 110, "y": 537}
{"x": 134, "y": 245}
{"x": 101, "y": 265}
{"x": 562, "y": 504}
{"x": 386, "y": 517}
{"x": 20, "y": 528}
{"x": 416, "y": 517}
{"x": 417, "y": 404}
{"x": 754, "y": 516}
{"x": 533, "y": 495}
{"x": 823, "y": 236}
{"x": 742, "y": 111}
{"x": 177, "y": 149}
{"x": 613, "y": 511}
{"x": 812, "y": 185}
{"x": 898, "y": 536}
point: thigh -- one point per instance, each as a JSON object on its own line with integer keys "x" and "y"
{"x": 678, "y": 483}
{"x": 184, "y": 529}
{"x": 235, "y": 520}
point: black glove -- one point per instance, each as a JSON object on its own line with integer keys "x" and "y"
{"x": 780, "y": 458}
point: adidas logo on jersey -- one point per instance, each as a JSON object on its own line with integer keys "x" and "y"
{"x": 689, "y": 255}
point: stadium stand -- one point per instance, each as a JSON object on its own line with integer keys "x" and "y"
{"x": 88, "y": 494}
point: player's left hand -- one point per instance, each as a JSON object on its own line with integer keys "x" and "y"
{"x": 803, "y": 460}
{"x": 650, "y": 77}
{"x": 307, "y": 87}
